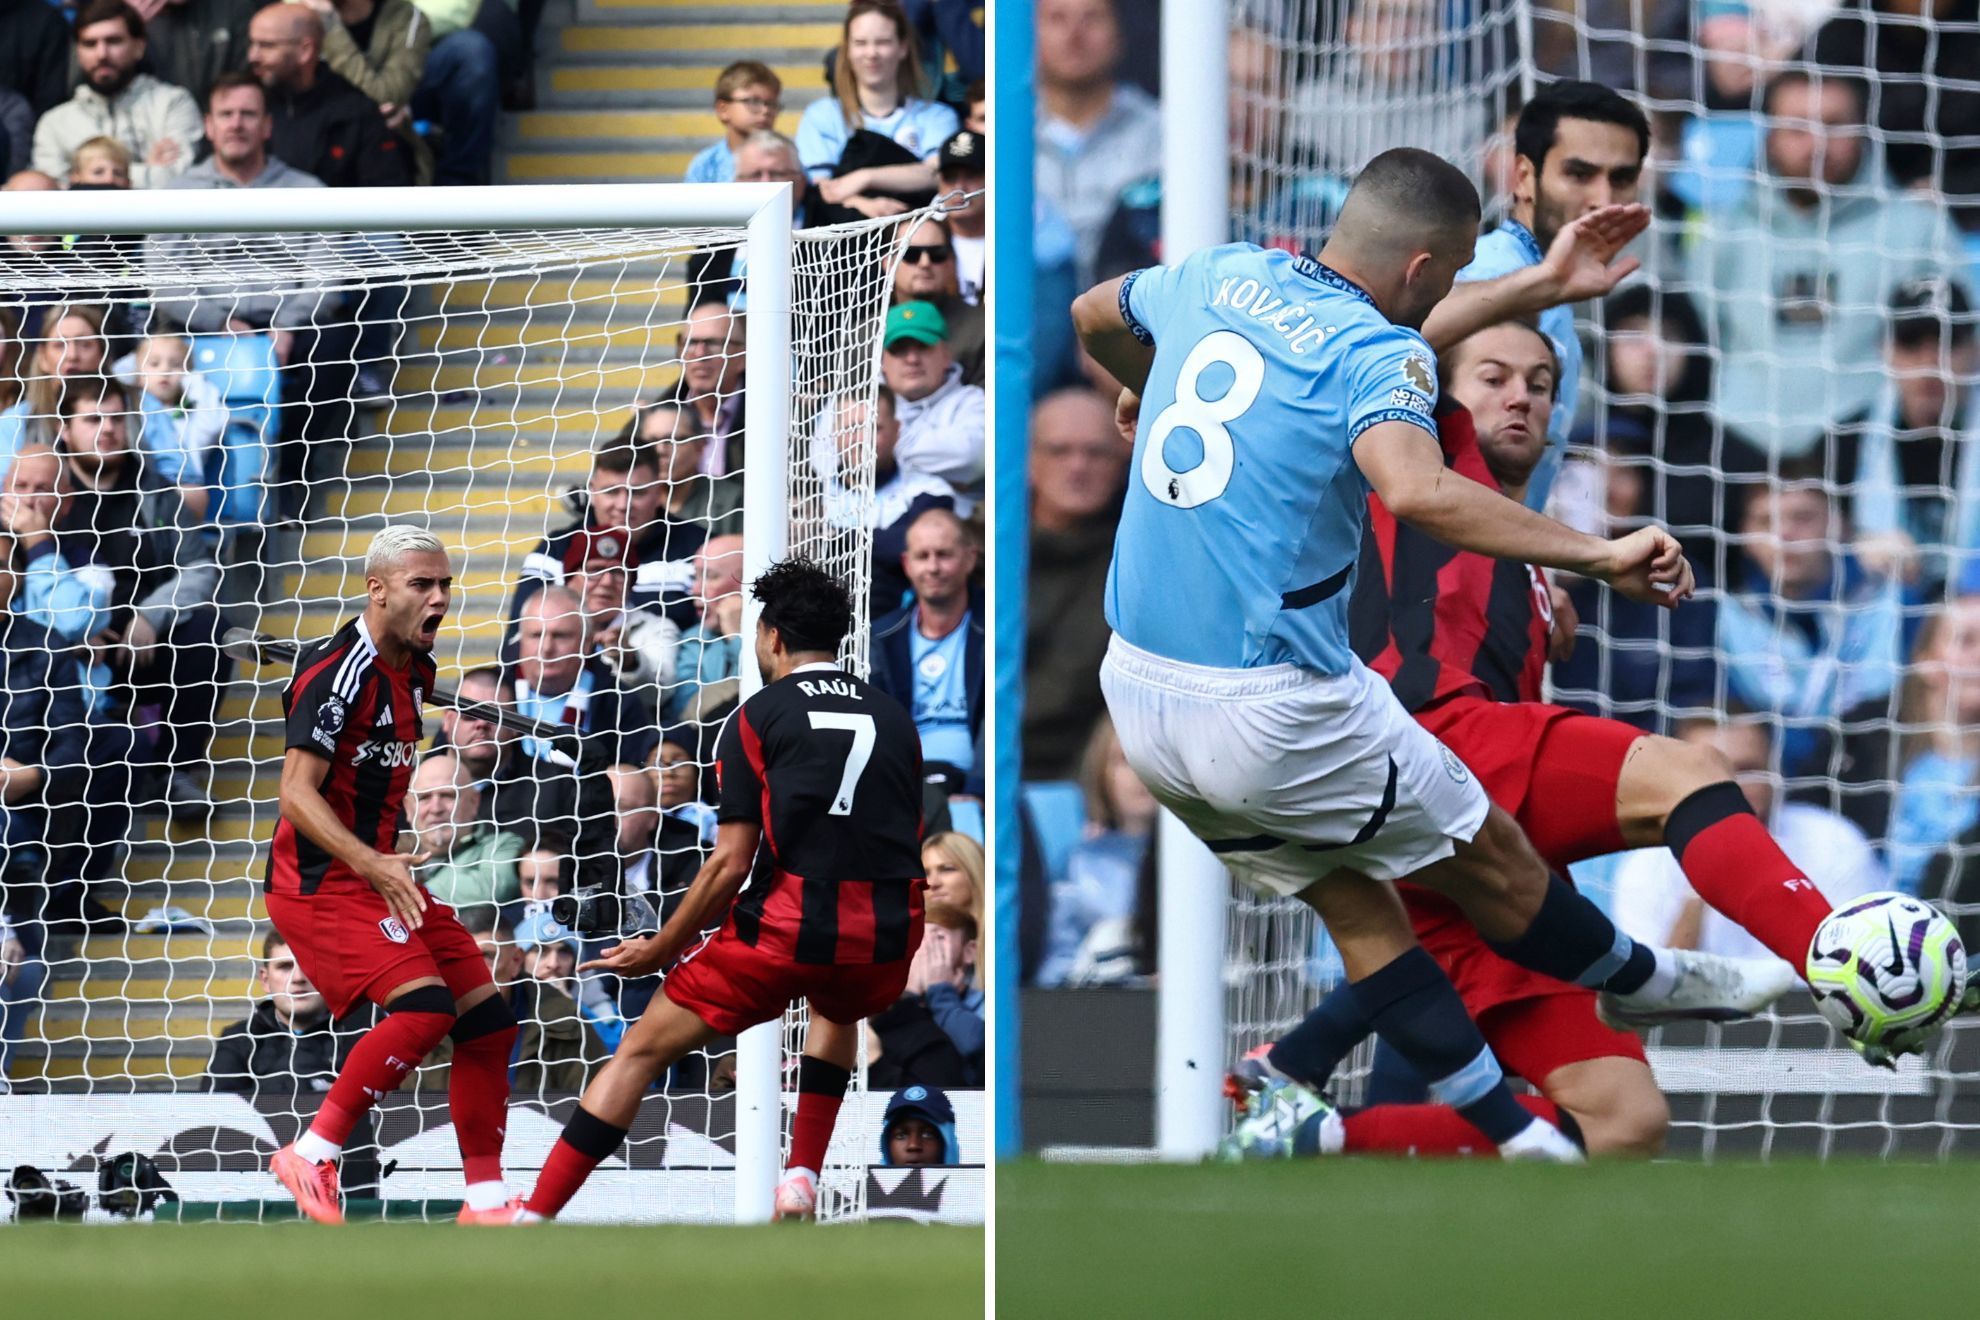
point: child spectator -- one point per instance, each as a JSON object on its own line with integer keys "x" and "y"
{"x": 871, "y": 145}
{"x": 748, "y": 96}
{"x": 101, "y": 162}
{"x": 181, "y": 418}
{"x": 919, "y": 1129}
{"x": 550, "y": 956}
{"x": 933, "y": 1034}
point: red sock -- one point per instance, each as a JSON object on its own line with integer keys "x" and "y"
{"x": 1435, "y": 1130}
{"x": 587, "y": 1142}
{"x": 478, "y": 1099}
{"x": 376, "y": 1066}
{"x": 821, "y": 1090}
{"x": 1736, "y": 866}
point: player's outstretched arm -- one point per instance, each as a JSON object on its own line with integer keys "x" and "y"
{"x": 302, "y": 805}
{"x": 1580, "y": 264}
{"x": 1104, "y": 332}
{"x": 1404, "y": 465}
{"x": 707, "y": 901}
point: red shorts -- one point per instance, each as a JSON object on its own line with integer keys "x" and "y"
{"x": 732, "y": 986}
{"x": 1552, "y": 769}
{"x": 1555, "y": 771}
{"x": 352, "y": 947}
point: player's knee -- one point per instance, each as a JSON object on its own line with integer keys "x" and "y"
{"x": 1633, "y": 1127}
{"x": 1695, "y": 766}
{"x": 491, "y": 1019}
{"x": 432, "y": 999}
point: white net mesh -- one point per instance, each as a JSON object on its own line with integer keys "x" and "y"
{"x": 1320, "y": 87}
{"x": 1788, "y": 385}
{"x": 284, "y": 397}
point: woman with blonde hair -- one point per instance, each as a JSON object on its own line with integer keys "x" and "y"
{"x": 72, "y": 345}
{"x": 877, "y": 89}
{"x": 954, "y": 866}
{"x": 1092, "y": 931}
{"x": 1938, "y": 756}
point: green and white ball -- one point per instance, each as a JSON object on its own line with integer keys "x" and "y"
{"x": 1886, "y": 964}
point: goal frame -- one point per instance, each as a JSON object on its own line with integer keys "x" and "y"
{"x": 761, "y": 210}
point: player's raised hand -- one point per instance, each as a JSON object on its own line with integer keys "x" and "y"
{"x": 1648, "y": 566}
{"x": 641, "y": 957}
{"x": 1582, "y": 261}
{"x": 390, "y": 876}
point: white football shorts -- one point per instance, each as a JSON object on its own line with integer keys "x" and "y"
{"x": 1289, "y": 775}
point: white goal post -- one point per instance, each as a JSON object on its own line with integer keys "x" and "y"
{"x": 752, "y": 220}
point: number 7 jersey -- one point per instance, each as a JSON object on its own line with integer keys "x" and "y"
{"x": 829, "y": 767}
{"x": 1243, "y": 519}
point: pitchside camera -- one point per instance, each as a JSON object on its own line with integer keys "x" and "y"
{"x": 597, "y": 910}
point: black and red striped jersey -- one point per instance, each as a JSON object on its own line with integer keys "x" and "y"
{"x": 1436, "y": 621}
{"x": 830, "y": 767}
{"x": 346, "y": 706}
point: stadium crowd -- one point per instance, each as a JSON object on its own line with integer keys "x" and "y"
{"x": 1788, "y": 384}
{"x": 153, "y": 447}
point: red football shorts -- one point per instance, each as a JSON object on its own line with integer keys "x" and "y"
{"x": 1552, "y": 769}
{"x": 732, "y": 986}
{"x": 1555, "y": 771}
{"x": 352, "y": 947}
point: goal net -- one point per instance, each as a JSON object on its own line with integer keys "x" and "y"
{"x": 1789, "y": 385}
{"x": 276, "y": 397}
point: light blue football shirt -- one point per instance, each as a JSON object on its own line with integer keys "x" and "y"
{"x": 1244, "y": 510}
{"x": 1506, "y": 249}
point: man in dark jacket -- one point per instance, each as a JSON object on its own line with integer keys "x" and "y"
{"x": 556, "y": 684}
{"x": 323, "y": 125}
{"x": 928, "y": 654}
{"x": 1078, "y": 468}
{"x": 34, "y": 52}
{"x": 154, "y": 627}
{"x": 189, "y": 43}
{"x": 286, "y": 1044}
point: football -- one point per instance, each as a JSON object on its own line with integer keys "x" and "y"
{"x": 1884, "y": 965}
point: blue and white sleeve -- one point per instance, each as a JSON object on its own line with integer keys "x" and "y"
{"x": 1393, "y": 379}
{"x": 1147, "y": 296}
{"x": 821, "y": 138}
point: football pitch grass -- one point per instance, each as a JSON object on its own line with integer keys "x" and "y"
{"x": 1359, "y": 1239}
{"x": 300, "y": 1271}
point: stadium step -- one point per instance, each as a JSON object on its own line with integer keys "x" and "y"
{"x": 733, "y": 40}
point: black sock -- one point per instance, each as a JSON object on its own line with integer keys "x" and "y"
{"x": 591, "y": 1135}
{"x": 1311, "y": 1051}
{"x": 1414, "y": 1007}
{"x": 1570, "y": 940}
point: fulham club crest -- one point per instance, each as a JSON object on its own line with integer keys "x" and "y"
{"x": 395, "y": 930}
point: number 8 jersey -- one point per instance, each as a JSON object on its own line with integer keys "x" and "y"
{"x": 830, "y": 767}
{"x": 1244, "y": 511}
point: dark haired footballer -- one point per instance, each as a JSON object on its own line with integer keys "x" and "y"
{"x": 820, "y": 815}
